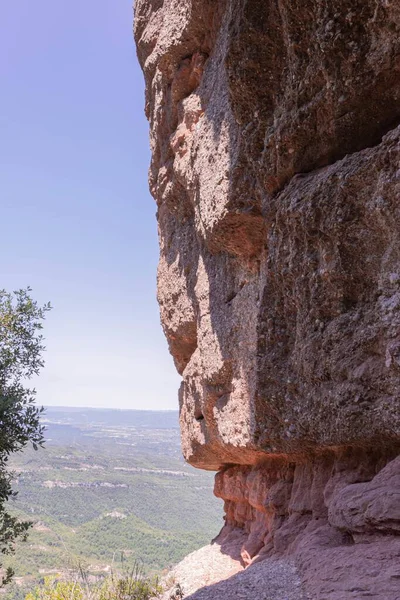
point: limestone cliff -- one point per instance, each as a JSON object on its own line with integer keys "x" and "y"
{"x": 275, "y": 144}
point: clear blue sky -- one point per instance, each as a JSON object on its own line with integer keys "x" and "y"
{"x": 77, "y": 221}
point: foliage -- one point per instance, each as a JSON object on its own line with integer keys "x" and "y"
{"x": 21, "y": 348}
{"x": 131, "y": 585}
{"x": 117, "y": 486}
{"x": 57, "y": 590}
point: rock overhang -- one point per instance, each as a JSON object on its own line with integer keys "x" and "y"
{"x": 275, "y": 143}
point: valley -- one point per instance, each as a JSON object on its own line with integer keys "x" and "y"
{"x": 109, "y": 485}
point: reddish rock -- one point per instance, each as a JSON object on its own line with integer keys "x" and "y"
{"x": 373, "y": 507}
{"x": 275, "y": 167}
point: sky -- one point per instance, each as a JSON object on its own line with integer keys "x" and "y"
{"x": 77, "y": 221}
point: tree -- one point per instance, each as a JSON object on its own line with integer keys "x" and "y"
{"x": 21, "y": 349}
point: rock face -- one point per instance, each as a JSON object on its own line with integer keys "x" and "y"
{"x": 276, "y": 169}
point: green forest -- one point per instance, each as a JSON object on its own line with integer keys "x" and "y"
{"x": 108, "y": 484}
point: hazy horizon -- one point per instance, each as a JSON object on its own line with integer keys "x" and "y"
{"x": 65, "y": 407}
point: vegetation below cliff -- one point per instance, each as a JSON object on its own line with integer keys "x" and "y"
{"x": 109, "y": 482}
{"x": 129, "y": 585}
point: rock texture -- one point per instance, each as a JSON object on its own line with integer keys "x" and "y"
{"x": 211, "y": 574}
{"x": 276, "y": 169}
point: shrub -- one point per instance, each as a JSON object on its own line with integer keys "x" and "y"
{"x": 21, "y": 348}
{"x": 57, "y": 590}
{"x": 132, "y": 585}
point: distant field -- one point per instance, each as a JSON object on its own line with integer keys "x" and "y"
{"x": 109, "y": 482}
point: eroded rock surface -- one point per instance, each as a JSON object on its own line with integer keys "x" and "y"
{"x": 271, "y": 579}
{"x": 276, "y": 169}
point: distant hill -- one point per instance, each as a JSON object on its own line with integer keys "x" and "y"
{"x": 109, "y": 481}
{"x": 160, "y": 419}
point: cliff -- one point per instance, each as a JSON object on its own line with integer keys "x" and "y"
{"x": 275, "y": 167}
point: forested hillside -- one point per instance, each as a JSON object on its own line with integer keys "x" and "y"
{"x": 109, "y": 482}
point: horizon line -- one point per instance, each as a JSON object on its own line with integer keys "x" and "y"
{"x": 109, "y": 408}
